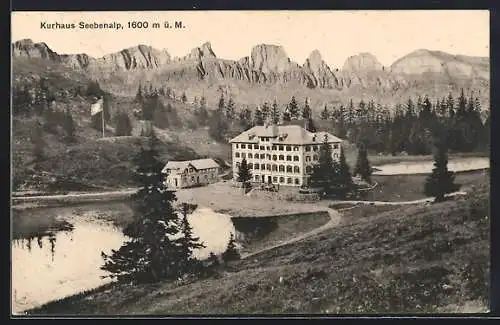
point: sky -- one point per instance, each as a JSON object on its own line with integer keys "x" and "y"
{"x": 388, "y": 35}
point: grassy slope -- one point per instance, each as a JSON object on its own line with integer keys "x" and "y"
{"x": 417, "y": 259}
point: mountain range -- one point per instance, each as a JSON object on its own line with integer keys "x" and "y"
{"x": 269, "y": 73}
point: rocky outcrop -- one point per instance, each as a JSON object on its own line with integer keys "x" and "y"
{"x": 455, "y": 67}
{"x": 318, "y": 73}
{"x": 361, "y": 63}
{"x": 27, "y": 48}
{"x": 270, "y": 64}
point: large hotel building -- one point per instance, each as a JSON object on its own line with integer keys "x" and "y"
{"x": 280, "y": 154}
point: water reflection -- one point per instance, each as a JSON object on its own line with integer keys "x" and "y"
{"x": 41, "y": 273}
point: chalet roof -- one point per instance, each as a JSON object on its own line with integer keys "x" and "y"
{"x": 198, "y": 164}
{"x": 284, "y": 134}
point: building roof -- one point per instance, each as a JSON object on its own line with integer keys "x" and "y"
{"x": 284, "y": 134}
{"x": 198, "y": 164}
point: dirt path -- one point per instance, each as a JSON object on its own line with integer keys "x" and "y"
{"x": 334, "y": 221}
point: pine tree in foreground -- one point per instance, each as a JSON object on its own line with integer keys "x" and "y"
{"x": 343, "y": 182}
{"x": 231, "y": 253}
{"x": 363, "y": 168}
{"x": 441, "y": 181}
{"x": 150, "y": 253}
{"x": 244, "y": 173}
{"x": 188, "y": 244}
{"x": 324, "y": 172}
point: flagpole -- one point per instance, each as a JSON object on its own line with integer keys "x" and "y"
{"x": 102, "y": 116}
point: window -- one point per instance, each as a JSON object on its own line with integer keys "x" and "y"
{"x": 315, "y": 157}
{"x": 268, "y": 167}
{"x": 256, "y": 167}
{"x": 190, "y": 169}
{"x": 280, "y": 148}
{"x": 256, "y": 177}
{"x": 238, "y": 164}
{"x": 275, "y": 168}
{"x": 275, "y": 157}
{"x": 289, "y": 169}
{"x": 274, "y": 147}
{"x": 243, "y": 146}
{"x": 281, "y": 157}
{"x": 236, "y": 146}
{"x": 250, "y": 156}
{"x": 335, "y": 155}
{"x": 192, "y": 178}
{"x": 335, "y": 146}
{"x": 263, "y": 166}
{"x": 289, "y": 180}
{"x": 315, "y": 148}
{"x": 288, "y": 158}
{"x": 275, "y": 179}
{"x": 237, "y": 155}
{"x": 308, "y": 169}
{"x": 308, "y": 148}
{"x": 296, "y": 169}
{"x": 250, "y": 166}
{"x": 281, "y": 168}
{"x": 282, "y": 179}
{"x": 255, "y": 146}
{"x": 308, "y": 158}
{"x": 262, "y": 148}
{"x": 297, "y": 181}
{"x": 243, "y": 155}
{"x": 288, "y": 148}
{"x": 262, "y": 156}
{"x": 295, "y": 158}
{"x": 296, "y": 148}
{"x": 268, "y": 148}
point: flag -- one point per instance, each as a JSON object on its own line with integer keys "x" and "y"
{"x": 96, "y": 108}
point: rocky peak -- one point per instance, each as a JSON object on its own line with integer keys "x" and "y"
{"x": 362, "y": 62}
{"x": 201, "y": 52}
{"x": 268, "y": 58}
{"x": 28, "y": 48}
{"x": 137, "y": 57}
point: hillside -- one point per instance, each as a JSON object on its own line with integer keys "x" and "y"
{"x": 268, "y": 73}
{"x": 413, "y": 259}
{"x": 89, "y": 161}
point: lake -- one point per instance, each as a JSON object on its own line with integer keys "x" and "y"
{"x": 60, "y": 263}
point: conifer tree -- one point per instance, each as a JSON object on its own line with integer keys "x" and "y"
{"x": 306, "y": 110}
{"x": 150, "y": 253}
{"x": 231, "y": 253}
{"x": 293, "y": 109}
{"x": 230, "y": 109}
{"x": 286, "y": 114}
{"x": 202, "y": 111}
{"x": 363, "y": 167}
{"x": 343, "y": 182}
{"x": 244, "y": 173}
{"x": 245, "y": 118}
{"x": 123, "y": 124}
{"x": 138, "y": 95}
{"x": 441, "y": 180}
{"x": 222, "y": 103}
{"x": 38, "y": 142}
{"x": 325, "y": 114}
{"x": 324, "y": 172}
{"x": 69, "y": 125}
{"x": 310, "y": 125}
{"x": 275, "y": 113}
{"x": 258, "y": 117}
{"x": 188, "y": 244}
{"x": 266, "y": 110}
